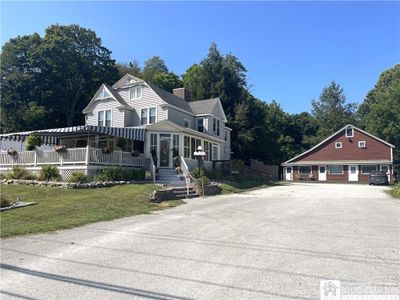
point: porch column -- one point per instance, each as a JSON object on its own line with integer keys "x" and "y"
{"x": 87, "y": 155}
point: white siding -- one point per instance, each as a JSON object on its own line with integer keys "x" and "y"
{"x": 117, "y": 116}
{"x": 148, "y": 99}
{"x": 178, "y": 117}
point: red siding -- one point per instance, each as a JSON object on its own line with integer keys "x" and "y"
{"x": 375, "y": 150}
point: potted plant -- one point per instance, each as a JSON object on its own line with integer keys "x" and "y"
{"x": 60, "y": 148}
{"x": 12, "y": 151}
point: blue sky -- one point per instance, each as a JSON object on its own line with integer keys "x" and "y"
{"x": 290, "y": 49}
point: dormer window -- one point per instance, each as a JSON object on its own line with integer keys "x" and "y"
{"x": 135, "y": 92}
{"x": 200, "y": 125}
{"x": 362, "y": 144}
{"x": 103, "y": 94}
{"x": 338, "y": 145}
{"x": 349, "y": 132}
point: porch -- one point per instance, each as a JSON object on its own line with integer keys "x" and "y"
{"x": 87, "y": 159}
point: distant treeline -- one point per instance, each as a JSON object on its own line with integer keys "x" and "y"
{"x": 47, "y": 81}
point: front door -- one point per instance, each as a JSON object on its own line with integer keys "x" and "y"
{"x": 322, "y": 173}
{"x": 353, "y": 173}
{"x": 165, "y": 150}
{"x": 288, "y": 173}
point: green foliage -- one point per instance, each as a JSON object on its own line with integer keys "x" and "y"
{"x": 157, "y": 72}
{"x": 215, "y": 174}
{"x": 49, "y": 173}
{"x": 205, "y": 180}
{"x": 46, "y": 82}
{"x": 4, "y": 200}
{"x": 396, "y": 191}
{"x": 122, "y": 142}
{"x": 331, "y": 112}
{"x": 32, "y": 142}
{"x": 18, "y": 172}
{"x": 118, "y": 174}
{"x": 78, "y": 177}
{"x": 380, "y": 112}
{"x": 197, "y": 173}
{"x": 132, "y": 68}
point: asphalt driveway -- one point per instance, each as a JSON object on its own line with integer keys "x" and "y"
{"x": 275, "y": 243}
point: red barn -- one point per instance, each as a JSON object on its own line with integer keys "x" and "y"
{"x": 349, "y": 154}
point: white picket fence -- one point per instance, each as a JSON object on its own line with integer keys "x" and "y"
{"x": 73, "y": 156}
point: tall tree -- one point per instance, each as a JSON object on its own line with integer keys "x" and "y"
{"x": 380, "y": 111}
{"x": 156, "y": 71}
{"x": 19, "y": 86}
{"x": 132, "y": 68}
{"x": 331, "y": 111}
{"x": 73, "y": 64}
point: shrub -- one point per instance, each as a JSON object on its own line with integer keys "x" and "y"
{"x": 18, "y": 172}
{"x": 215, "y": 174}
{"x": 206, "y": 180}
{"x": 4, "y": 200}
{"x": 49, "y": 173}
{"x": 32, "y": 142}
{"x": 117, "y": 174}
{"x": 396, "y": 190}
{"x": 198, "y": 173}
{"x": 78, "y": 177}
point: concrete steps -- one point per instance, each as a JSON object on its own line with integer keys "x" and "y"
{"x": 169, "y": 177}
{"x": 181, "y": 193}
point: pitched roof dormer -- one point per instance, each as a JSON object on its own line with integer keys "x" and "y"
{"x": 105, "y": 92}
{"x": 126, "y": 81}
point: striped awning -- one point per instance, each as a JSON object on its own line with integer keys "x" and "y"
{"x": 51, "y": 136}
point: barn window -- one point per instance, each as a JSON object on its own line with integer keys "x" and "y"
{"x": 349, "y": 132}
{"x": 362, "y": 144}
{"x": 305, "y": 170}
{"x": 338, "y": 169}
{"x": 338, "y": 145}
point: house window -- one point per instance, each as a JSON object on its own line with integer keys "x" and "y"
{"x": 135, "y": 92}
{"x": 152, "y": 115}
{"x": 100, "y": 118}
{"x": 214, "y": 125}
{"x": 108, "y": 118}
{"x": 175, "y": 145}
{"x": 148, "y": 115}
{"x": 226, "y": 136}
{"x": 335, "y": 169}
{"x": 104, "y": 118}
{"x": 305, "y": 170}
{"x": 186, "y": 123}
{"x": 153, "y": 147}
{"x": 186, "y": 147}
{"x": 366, "y": 169}
{"x": 195, "y": 143}
{"x": 338, "y": 145}
{"x": 200, "y": 125}
{"x": 218, "y": 127}
{"x": 349, "y": 132}
{"x": 288, "y": 170}
{"x": 206, "y": 150}
{"x": 362, "y": 144}
{"x": 144, "y": 116}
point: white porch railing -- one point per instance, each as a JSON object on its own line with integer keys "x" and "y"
{"x": 73, "y": 156}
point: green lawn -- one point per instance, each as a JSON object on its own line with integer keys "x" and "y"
{"x": 242, "y": 186}
{"x": 59, "y": 208}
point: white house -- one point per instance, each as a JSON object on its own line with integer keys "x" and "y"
{"x": 136, "y": 116}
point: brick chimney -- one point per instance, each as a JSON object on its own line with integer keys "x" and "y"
{"x": 182, "y": 93}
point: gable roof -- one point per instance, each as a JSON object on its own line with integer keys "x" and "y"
{"x": 124, "y": 79}
{"x": 206, "y": 106}
{"x": 331, "y": 136}
{"x": 114, "y": 95}
{"x": 170, "y": 98}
